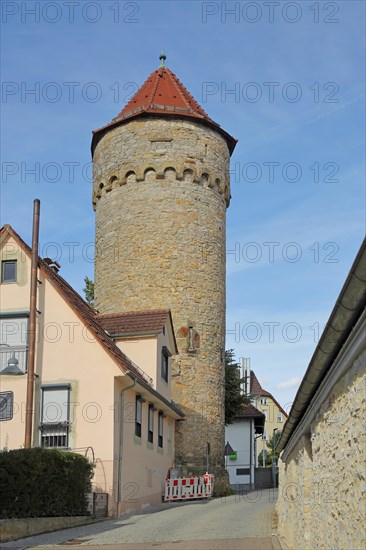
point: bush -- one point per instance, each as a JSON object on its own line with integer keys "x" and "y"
{"x": 43, "y": 483}
{"x": 221, "y": 486}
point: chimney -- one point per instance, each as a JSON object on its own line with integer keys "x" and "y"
{"x": 244, "y": 363}
{"x": 52, "y": 264}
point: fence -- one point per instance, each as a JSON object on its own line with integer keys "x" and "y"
{"x": 20, "y": 354}
{"x": 186, "y": 488}
{"x": 263, "y": 478}
{"x": 98, "y": 504}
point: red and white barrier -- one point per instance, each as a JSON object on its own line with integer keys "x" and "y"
{"x": 186, "y": 488}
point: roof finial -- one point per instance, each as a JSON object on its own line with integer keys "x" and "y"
{"x": 162, "y": 58}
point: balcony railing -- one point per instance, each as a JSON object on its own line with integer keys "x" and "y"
{"x": 20, "y": 354}
{"x": 55, "y": 435}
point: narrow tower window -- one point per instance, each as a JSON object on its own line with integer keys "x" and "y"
{"x": 165, "y": 354}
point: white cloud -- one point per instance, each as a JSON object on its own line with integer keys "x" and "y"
{"x": 290, "y": 383}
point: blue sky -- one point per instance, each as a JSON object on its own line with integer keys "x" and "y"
{"x": 285, "y": 78}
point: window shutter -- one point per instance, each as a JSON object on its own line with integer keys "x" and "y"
{"x": 55, "y": 405}
{"x": 14, "y": 332}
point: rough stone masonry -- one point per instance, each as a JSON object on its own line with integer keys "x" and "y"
{"x": 161, "y": 188}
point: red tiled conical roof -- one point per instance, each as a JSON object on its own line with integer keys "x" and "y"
{"x": 255, "y": 387}
{"x": 162, "y": 94}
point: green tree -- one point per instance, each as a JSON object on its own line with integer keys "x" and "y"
{"x": 267, "y": 459}
{"x": 234, "y": 399}
{"x": 272, "y": 445}
{"x": 89, "y": 291}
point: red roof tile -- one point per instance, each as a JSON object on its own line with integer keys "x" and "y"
{"x": 133, "y": 322}
{"x": 256, "y": 389}
{"x": 162, "y": 90}
{"x": 151, "y": 321}
{"x": 162, "y": 94}
{"x": 249, "y": 411}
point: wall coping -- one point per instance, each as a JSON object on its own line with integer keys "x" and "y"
{"x": 350, "y": 351}
{"x": 14, "y": 529}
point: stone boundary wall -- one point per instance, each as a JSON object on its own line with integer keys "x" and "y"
{"x": 14, "y": 529}
{"x": 322, "y": 489}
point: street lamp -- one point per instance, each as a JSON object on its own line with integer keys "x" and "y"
{"x": 12, "y": 368}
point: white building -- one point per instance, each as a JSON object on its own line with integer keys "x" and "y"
{"x": 242, "y": 437}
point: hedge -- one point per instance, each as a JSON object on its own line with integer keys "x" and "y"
{"x": 43, "y": 483}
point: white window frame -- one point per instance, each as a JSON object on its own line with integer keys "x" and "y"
{"x": 161, "y": 429}
{"x": 150, "y": 424}
{"x": 138, "y": 415}
{"x": 6, "y": 405}
{"x": 164, "y": 368}
{"x": 16, "y": 337}
{"x": 3, "y": 264}
{"x": 55, "y": 431}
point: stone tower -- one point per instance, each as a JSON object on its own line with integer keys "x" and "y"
{"x": 160, "y": 193}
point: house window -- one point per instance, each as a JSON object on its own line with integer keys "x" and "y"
{"x": 243, "y": 471}
{"x": 9, "y": 271}
{"x": 14, "y": 332}
{"x": 160, "y": 429}
{"x": 6, "y": 405}
{"x": 264, "y": 436}
{"x": 55, "y": 416}
{"x": 264, "y": 401}
{"x": 165, "y": 354}
{"x": 279, "y": 417}
{"x": 138, "y": 415}
{"x": 150, "y": 430}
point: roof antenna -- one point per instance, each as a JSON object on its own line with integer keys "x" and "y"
{"x": 162, "y": 58}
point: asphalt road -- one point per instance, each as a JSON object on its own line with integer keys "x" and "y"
{"x": 238, "y": 522}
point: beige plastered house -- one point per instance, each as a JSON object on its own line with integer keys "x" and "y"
{"x": 102, "y": 384}
{"x": 265, "y": 402}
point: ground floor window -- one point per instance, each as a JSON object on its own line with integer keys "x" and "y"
{"x": 160, "y": 429}
{"x": 243, "y": 471}
{"x": 55, "y": 416}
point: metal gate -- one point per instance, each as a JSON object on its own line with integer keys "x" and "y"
{"x": 98, "y": 504}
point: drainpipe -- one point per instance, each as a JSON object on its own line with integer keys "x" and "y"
{"x": 251, "y": 453}
{"x": 119, "y": 473}
{"x": 32, "y": 328}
